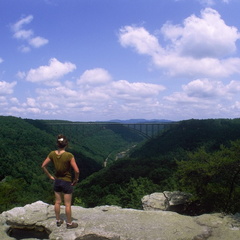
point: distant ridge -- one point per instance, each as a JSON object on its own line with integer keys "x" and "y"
{"x": 141, "y": 121}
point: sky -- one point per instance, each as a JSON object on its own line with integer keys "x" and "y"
{"x": 99, "y": 60}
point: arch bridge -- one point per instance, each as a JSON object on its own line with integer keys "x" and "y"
{"x": 148, "y": 130}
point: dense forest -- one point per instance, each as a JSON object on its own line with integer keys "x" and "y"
{"x": 25, "y": 143}
{"x": 196, "y": 156}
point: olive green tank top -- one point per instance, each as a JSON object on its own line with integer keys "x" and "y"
{"x": 62, "y": 165}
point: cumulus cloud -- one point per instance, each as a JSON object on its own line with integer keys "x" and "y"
{"x": 38, "y": 42}
{"x": 23, "y": 34}
{"x": 205, "y": 90}
{"x": 103, "y": 86}
{"x": 59, "y": 93}
{"x": 6, "y": 88}
{"x": 97, "y": 92}
{"x": 204, "y": 98}
{"x": 94, "y": 76}
{"x": 201, "y": 46}
{"x": 204, "y": 67}
{"x": 31, "y": 102}
{"x": 233, "y": 87}
{"x": 207, "y": 36}
{"x": 211, "y": 2}
{"x": 24, "y": 110}
{"x": 53, "y": 71}
{"x": 27, "y": 35}
{"x": 135, "y": 90}
{"x": 140, "y": 39}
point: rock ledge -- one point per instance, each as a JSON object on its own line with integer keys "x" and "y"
{"x": 115, "y": 223}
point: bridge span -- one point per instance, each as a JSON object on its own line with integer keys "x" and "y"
{"x": 150, "y": 130}
{"x": 147, "y": 129}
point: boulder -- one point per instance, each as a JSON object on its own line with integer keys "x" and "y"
{"x": 115, "y": 223}
{"x": 167, "y": 201}
{"x": 155, "y": 202}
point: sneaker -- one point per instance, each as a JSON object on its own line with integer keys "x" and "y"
{"x": 59, "y": 222}
{"x": 72, "y": 225}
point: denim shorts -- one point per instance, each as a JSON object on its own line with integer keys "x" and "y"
{"x": 63, "y": 186}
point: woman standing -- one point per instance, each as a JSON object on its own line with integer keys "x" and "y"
{"x": 63, "y": 184}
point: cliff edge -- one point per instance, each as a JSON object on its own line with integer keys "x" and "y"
{"x": 115, "y": 223}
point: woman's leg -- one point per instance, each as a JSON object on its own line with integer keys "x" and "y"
{"x": 58, "y": 200}
{"x": 68, "y": 211}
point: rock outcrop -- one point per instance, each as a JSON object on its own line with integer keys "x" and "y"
{"x": 167, "y": 201}
{"x": 115, "y": 223}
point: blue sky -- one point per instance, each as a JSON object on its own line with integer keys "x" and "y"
{"x": 97, "y": 60}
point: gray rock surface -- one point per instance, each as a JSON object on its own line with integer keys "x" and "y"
{"x": 115, "y": 223}
{"x": 167, "y": 201}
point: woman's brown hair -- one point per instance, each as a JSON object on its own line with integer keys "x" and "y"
{"x": 62, "y": 141}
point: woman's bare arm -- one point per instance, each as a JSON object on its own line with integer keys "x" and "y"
{"x": 76, "y": 170}
{"x": 44, "y": 167}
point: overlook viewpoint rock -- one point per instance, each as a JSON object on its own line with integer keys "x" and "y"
{"x": 115, "y": 223}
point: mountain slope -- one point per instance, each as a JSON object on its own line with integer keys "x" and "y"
{"x": 153, "y": 166}
{"x": 191, "y": 134}
{"x": 98, "y": 141}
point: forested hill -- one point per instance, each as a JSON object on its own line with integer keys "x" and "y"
{"x": 197, "y": 156}
{"x": 25, "y": 143}
{"x": 98, "y": 141}
{"x": 192, "y": 134}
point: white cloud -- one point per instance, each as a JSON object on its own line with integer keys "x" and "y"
{"x": 236, "y": 106}
{"x": 233, "y": 86}
{"x": 140, "y": 39}
{"x": 106, "y": 91}
{"x": 21, "y": 75}
{"x": 204, "y": 90}
{"x": 102, "y": 87}
{"x": 211, "y": 2}
{"x": 38, "y": 42}
{"x": 204, "y": 67}
{"x": 207, "y": 2}
{"x": 23, "y": 34}
{"x": 27, "y": 35}
{"x": 24, "y": 49}
{"x": 59, "y": 93}
{"x": 31, "y": 102}
{"x": 136, "y": 90}
{"x": 14, "y": 100}
{"x": 207, "y": 36}
{"x": 25, "y": 110}
{"x": 34, "y": 110}
{"x": 94, "y": 76}
{"x": 6, "y": 88}
{"x": 3, "y": 102}
{"x": 19, "y": 24}
{"x": 53, "y": 71}
{"x": 202, "y": 46}
{"x": 1, "y": 60}
{"x": 97, "y": 93}
{"x": 204, "y": 98}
